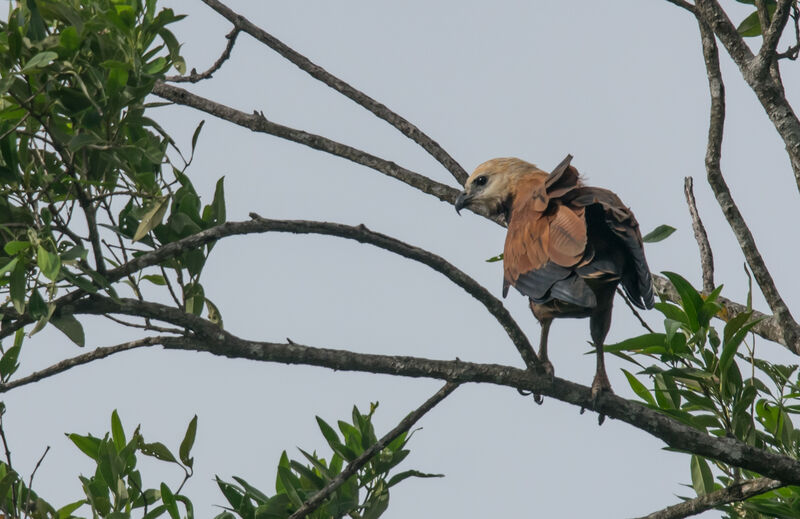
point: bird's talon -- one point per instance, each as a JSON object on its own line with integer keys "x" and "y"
{"x": 538, "y": 399}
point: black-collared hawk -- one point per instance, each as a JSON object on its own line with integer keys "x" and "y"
{"x": 568, "y": 245}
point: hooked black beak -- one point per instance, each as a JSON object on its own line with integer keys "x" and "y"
{"x": 462, "y": 201}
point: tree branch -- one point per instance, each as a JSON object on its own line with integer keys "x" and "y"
{"x": 767, "y": 88}
{"x": 258, "y": 123}
{"x": 682, "y": 3}
{"x": 194, "y": 77}
{"x": 772, "y": 35}
{"x": 732, "y": 494}
{"x": 319, "y": 73}
{"x": 789, "y": 327}
{"x": 354, "y": 466}
{"x": 64, "y": 365}
{"x": 679, "y": 436}
{"x": 706, "y": 256}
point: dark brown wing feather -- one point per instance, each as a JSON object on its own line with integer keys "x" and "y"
{"x": 619, "y": 220}
{"x": 562, "y": 233}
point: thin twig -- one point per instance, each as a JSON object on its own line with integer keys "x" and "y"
{"x": 38, "y": 463}
{"x": 732, "y": 494}
{"x": 700, "y": 235}
{"x": 149, "y": 327}
{"x": 194, "y": 77}
{"x": 66, "y": 364}
{"x": 790, "y": 328}
{"x": 380, "y": 110}
{"x": 634, "y": 310}
{"x": 792, "y": 52}
{"x": 14, "y": 496}
{"x": 354, "y": 466}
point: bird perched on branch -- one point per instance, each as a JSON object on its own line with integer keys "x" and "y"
{"x": 567, "y": 248}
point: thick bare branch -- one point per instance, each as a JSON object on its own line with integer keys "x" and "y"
{"x": 354, "y": 466}
{"x": 194, "y": 76}
{"x": 772, "y": 34}
{"x": 767, "y": 87}
{"x": 212, "y": 339}
{"x": 706, "y": 256}
{"x": 258, "y": 123}
{"x": 682, "y": 3}
{"x": 790, "y": 328}
{"x": 732, "y": 494}
{"x": 319, "y": 73}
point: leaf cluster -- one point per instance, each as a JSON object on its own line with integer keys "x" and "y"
{"x": 365, "y": 495}
{"x": 697, "y": 375}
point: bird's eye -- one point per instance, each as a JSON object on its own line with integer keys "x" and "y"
{"x": 481, "y": 180}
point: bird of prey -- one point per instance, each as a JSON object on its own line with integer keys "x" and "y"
{"x": 567, "y": 248}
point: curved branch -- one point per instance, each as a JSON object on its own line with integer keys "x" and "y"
{"x": 732, "y": 494}
{"x": 64, "y": 365}
{"x": 354, "y": 466}
{"x": 319, "y": 73}
{"x": 194, "y": 77}
{"x": 258, "y": 123}
{"x": 790, "y": 328}
{"x": 361, "y": 234}
{"x": 767, "y": 87}
{"x": 210, "y": 338}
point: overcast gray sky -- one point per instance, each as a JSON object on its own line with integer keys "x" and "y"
{"x": 618, "y": 84}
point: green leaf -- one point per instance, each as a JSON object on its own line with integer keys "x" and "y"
{"x": 8, "y": 362}
{"x": 637, "y": 343}
{"x": 691, "y": 300}
{"x": 376, "y": 505}
{"x": 288, "y": 481}
{"x": 13, "y": 247}
{"x": 662, "y": 232}
{"x": 494, "y": 259}
{"x": 187, "y": 443}
{"x": 751, "y": 26}
{"x": 18, "y": 286}
{"x": 40, "y": 60}
{"x": 70, "y": 327}
{"x": 702, "y": 479}
{"x": 155, "y": 279}
{"x": 397, "y": 478}
{"x": 65, "y": 511}
{"x": 49, "y": 263}
{"x": 152, "y": 217}
{"x": 69, "y": 38}
{"x": 8, "y": 267}
{"x": 89, "y": 445}
{"x": 157, "y": 450}
{"x": 117, "y": 432}
{"x": 196, "y": 134}
{"x": 639, "y": 388}
{"x": 169, "y": 501}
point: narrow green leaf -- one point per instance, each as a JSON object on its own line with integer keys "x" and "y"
{"x": 494, "y": 259}
{"x": 397, "y": 478}
{"x": 152, "y": 218}
{"x": 8, "y": 362}
{"x": 662, "y": 232}
{"x": 65, "y": 511}
{"x": 691, "y": 300}
{"x": 8, "y": 267}
{"x": 169, "y": 501}
{"x": 70, "y": 327}
{"x": 187, "y": 443}
{"x": 18, "y": 287}
{"x": 702, "y": 479}
{"x": 196, "y": 134}
{"x": 639, "y": 388}
{"x": 117, "y": 432}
